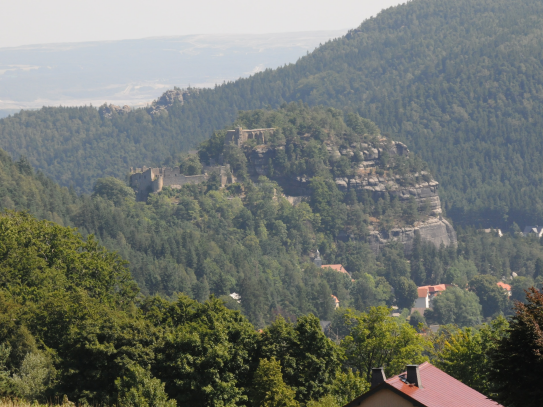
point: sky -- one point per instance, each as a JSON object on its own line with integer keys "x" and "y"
{"x": 24, "y": 22}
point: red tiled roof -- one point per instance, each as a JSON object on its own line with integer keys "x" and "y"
{"x": 335, "y": 267}
{"x": 422, "y": 291}
{"x": 504, "y": 286}
{"x": 441, "y": 390}
{"x": 431, "y": 289}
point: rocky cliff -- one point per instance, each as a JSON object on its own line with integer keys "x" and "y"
{"x": 435, "y": 230}
{"x": 370, "y": 177}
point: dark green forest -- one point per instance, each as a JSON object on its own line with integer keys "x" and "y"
{"x": 74, "y": 327}
{"x": 459, "y": 81}
{"x": 112, "y": 301}
{"x": 248, "y": 239}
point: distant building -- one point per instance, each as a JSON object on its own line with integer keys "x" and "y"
{"x": 238, "y": 136}
{"x": 533, "y": 230}
{"x": 336, "y": 267}
{"x": 497, "y": 231}
{"x": 151, "y": 180}
{"x": 506, "y": 287}
{"x": 426, "y": 294}
{"x": 424, "y": 386}
{"x": 318, "y": 260}
{"x": 336, "y": 301}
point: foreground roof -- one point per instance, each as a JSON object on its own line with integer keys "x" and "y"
{"x": 438, "y": 390}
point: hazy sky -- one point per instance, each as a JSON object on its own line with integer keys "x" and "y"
{"x": 45, "y": 21}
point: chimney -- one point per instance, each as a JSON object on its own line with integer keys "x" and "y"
{"x": 413, "y": 375}
{"x": 377, "y": 376}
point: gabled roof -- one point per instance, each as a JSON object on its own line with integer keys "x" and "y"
{"x": 504, "y": 286}
{"x": 336, "y": 267}
{"x": 438, "y": 390}
{"x": 430, "y": 289}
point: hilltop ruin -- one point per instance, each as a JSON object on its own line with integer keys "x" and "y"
{"x": 151, "y": 180}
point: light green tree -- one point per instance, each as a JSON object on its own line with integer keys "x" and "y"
{"x": 138, "y": 389}
{"x": 269, "y": 389}
{"x": 466, "y": 354}
{"x": 113, "y": 190}
{"x": 377, "y": 339}
{"x": 34, "y": 376}
{"x": 455, "y": 306}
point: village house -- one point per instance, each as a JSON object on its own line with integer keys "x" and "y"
{"x": 426, "y": 294}
{"x": 533, "y": 231}
{"x": 336, "y": 267}
{"x": 336, "y": 301}
{"x": 420, "y": 385}
{"x": 506, "y": 287}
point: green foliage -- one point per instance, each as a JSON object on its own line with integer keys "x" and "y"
{"x": 308, "y": 358}
{"x": 417, "y": 321}
{"x": 516, "y": 360}
{"x": 268, "y": 388}
{"x": 138, "y": 389}
{"x": 466, "y": 355}
{"x": 205, "y": 355}
{"x": 190, "y": 165}
{"x": 519, "y": 286}
{"x": 406, "y": 293}
{"x": 465, "y": 100}
{"x": 376, "y": 339}
{"x": 492, "y": 297}
{"x": 455, "y": 306}
{"x": 347, "y": 386}
{"x": 369, "y": 292}
{"x": 5, "y": 382}
{"x": 113, "y": 190}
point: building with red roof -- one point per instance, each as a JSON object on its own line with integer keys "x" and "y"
{"x": 336, "y": 267}
{"x": 506, "y": 287}
{"x": 336, "y": 301}
{"x": 426, "y": 293}
{"x": 424, "y": 386}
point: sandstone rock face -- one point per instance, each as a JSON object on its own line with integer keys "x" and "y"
{"x": 435, "y": 230}
{"x": 170, "y": 97}
{"x": 107, "y": 111}
{"x": 419, "y": 186}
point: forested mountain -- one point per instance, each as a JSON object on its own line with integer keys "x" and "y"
{"x": 460, "y": 81}
{"x": 249, "y": 239}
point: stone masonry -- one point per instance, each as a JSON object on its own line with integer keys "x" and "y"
{"x": 238, "y": 136}
{"x": 152, "y": 180}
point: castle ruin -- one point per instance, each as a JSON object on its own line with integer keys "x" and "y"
{"x": 152, "y": 180}
{"x": 238, "y": 136}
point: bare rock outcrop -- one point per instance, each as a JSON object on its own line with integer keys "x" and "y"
{"x": 435, "y": 230}
{"x": 107, "y": 111}
{"x": 374, "y": 177}
{"x": 169, "y": 98}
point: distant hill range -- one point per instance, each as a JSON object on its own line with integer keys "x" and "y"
{"x": 134, "y": 72}
{"x": 458, "y": 81}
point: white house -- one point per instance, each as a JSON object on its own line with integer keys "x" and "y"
{"x": 426, "y": 294}
{"x": 533, "y": 230}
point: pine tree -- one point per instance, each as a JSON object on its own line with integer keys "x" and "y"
{"x": 269, "y": 389}
{"x": 518, "y": 359}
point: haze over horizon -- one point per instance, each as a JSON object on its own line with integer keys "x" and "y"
{"x": 61, "y": 21}
{"x": 135, "y": 72}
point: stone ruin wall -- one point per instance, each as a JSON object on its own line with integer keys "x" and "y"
{"x": 238, "y": 136}
{"x": 153, "y": 180}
